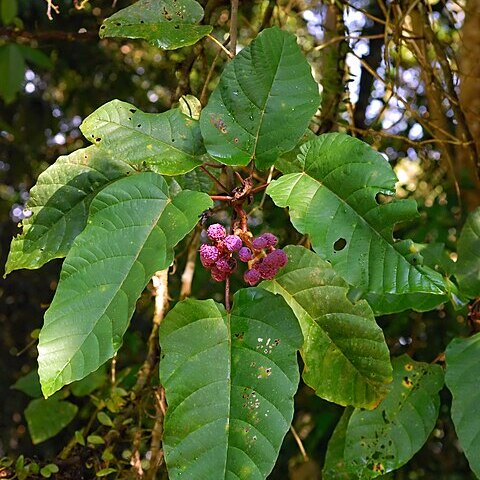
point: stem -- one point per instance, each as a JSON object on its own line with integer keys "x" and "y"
{"x": 260, "y": 188}
{"x": 222, "y": 198}
{"x": 215, "y": 179}
{"x": 227, "y": 294}
{"x": 160, "y": 285}
{"x": 233, "y": 27}
{"x": 220, "y": 45}
{"x": 299, "y": 443}
{"x": 187, "y": 275}
{"x": 156, "y": 457}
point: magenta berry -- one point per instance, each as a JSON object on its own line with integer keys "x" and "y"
{"x": 270, "y": 239}
{"x": 225, "y": 264}
{"x": 265, "y": 270}
{"x": 209, "y": 254}
{"x": 245, "y": 254}
{"x": 218, "y": 275}
{"x": 277, "y": 259}
{"x": 259, "y": 243}
{"x": 252, "y": 277}
{"x": 216, "y": 232}
{"x": 232, "y": 243}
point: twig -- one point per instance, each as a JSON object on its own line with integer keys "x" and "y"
{"x": 213, "y": 39}
{"x": 8, "y": 32}
{"x": 299, "y": 443}
{"x": 227, "y": 294}
{"x": 51, "y": 6}
{"x": 233, "y": 27}
{"x": 215, "y": 179}
{"x": 160, "y": 286}
{"x": 113, "y": 369}
{"x": 187, "y": 275}
{"x": 135, "y": 460}
{"x": 221, "y": 198}
{"x": 156, "y": 458}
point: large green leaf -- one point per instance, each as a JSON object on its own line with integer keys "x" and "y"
{"x": 132, "y": 228}
{"x": 59, "y": 205}
{"x": 45, "y": 418}
{"x": 263, "y": 103}
{"x": 12, "y": 71}
{"x": 334, "y": 467}
{"x": 384, "y": 439}
{"x": 332, "y": 192}
{"x": 463, "y": 364}
{"x": 168, "y": 143}
{"x": 229, "y": 381}
{"x": 468, "y": 263}
{"x": 345, "y": 355}
{"x": 167, "y": 24}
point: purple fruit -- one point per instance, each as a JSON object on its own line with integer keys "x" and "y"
{"x": 216, "y": 232}
{"x": 232, "y": 243}
{"x": 226, "y": 264}
{"x": 218, "y": 275}
{"x": 209, "y": 254}
{"x": 278, "y": 259}
{"x": 245, "y": 254}
{"x": 252, "y": 277}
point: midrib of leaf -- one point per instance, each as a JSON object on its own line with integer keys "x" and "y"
{"x": 152, "y": 227}
{"x": 369, "y": 226}
{"x": 148, "y": 135}
{"x": 261, "y": 108}
{"x": 228, "y": 426}
{"x": 313, "y": 323}
{"x": 268, "y": 96}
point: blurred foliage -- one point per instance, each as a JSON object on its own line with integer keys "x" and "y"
{"x": 396, "y": 82}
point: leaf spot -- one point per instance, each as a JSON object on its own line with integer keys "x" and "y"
{"x": 339, "y": 245}
{"x": 407, "y": 382}
{"x": 383, "y": 199}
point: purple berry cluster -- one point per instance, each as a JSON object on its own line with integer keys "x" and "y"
{"x": 218, "y": 256}
{"x": 263, "y": 259}
{"x": 260, "y": 254}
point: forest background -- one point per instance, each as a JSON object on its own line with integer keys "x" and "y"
{"x": 402, "y": 76}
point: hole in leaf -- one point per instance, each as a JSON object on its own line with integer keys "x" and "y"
{"x": 340, "y": 244}
{"x": 177, "y": 27}
{"x": 102, "y": 27}
{"x": 133, "y": 110}
{"x": 118, "y": 24}
{"x": 139, "y": 125}
{"x": 383, "y": 199}
{"x": 98, "y": 139}
{"x": 173, "y": 140}
{"x": 141, "y": 21}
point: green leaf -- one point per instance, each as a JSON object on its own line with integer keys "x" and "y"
{"x": 45, "y": 418}
{"x": 36, "y": 56}
{"x": 104, "y": 419}
{"x": 105, "y": 471}
{"x": 333, "y": 198}
{"x": 463, "y": 364}
{"x": 12, "y": 71}
{"x": 132, "y": 228}
{"x": 195, "y": 180}
{"x": 59, "y": 204}
{"x": 263, "y": 103}
{"x": 8, "y": 11}
{"x": 345, "y": 355}
{"x": 229, "y": 381}
{"x": 95, "y": 440}
{"x": 48, "y": 469}
{"x": 334, "y": 467}
{"x": 90, "y": 383}
{"x": 386, "y": 438}
{"x": 29, "y": 384}
{"x": 167, "y": 143}
{"x": 468, "y": 264}
{"x": 167, "y": 24}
